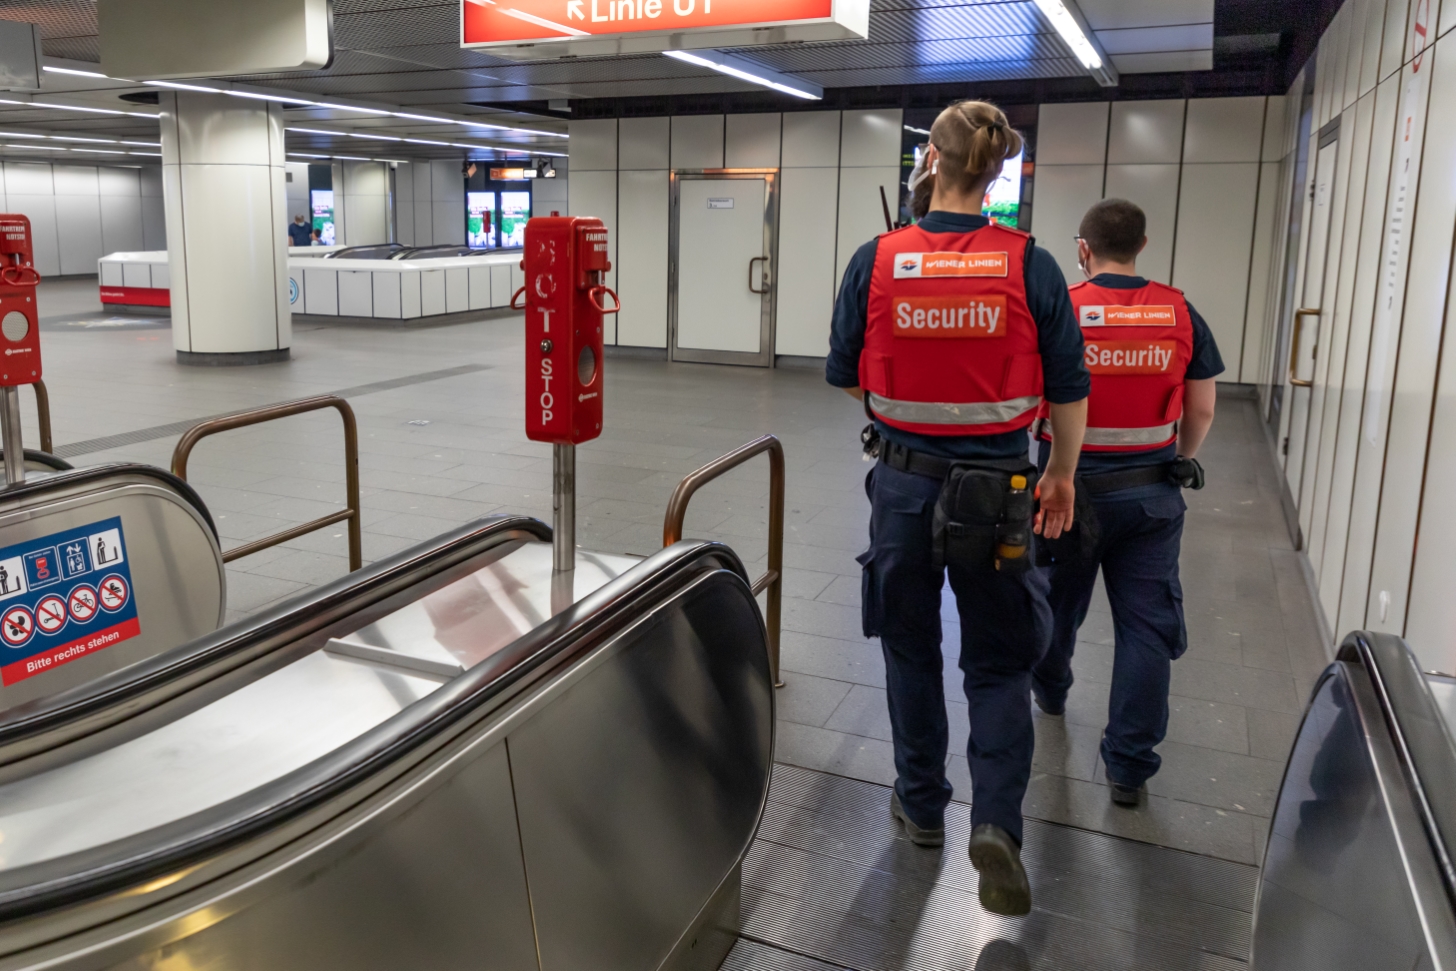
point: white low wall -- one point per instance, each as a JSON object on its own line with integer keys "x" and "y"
{"x": 403, "y": 289}
{"x": 385, "y": 289}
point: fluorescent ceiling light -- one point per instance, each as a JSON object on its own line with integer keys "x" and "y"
{"x": 152, "y": 154}
{"x": 39, "y": 148}
{"x": 424, "y": 141}
{"x": 523, "y": 131}
{"x": 306, "y": 155}
{"x": 183, "y": 87}
{"x": 381, "y": 138}
{"x": 147, "y": 144}
{"x": 81, "y": 74}
{"x": 406, "y": 114}
{"x": 367, "y": 111}
{"x": 317, "y": 131}
{"x": 353, "y": 158}
{"x": 268, "y": 97}
{"x": 1067, "y": 20}
{"x": 99, "y": 151}
{"x": 47, "y": 104}
{"x": 17, "y": 134}
{"x": 78, "y": 138}
{"x": 746, "y": 70}
{"x": 918, "y": 131}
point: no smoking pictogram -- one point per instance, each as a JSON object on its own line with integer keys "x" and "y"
{"x": 82, "y": 603}
{"x": 50, "y": 614}
{"x": 17, "y": 626}
{"x": 113, "y": 593}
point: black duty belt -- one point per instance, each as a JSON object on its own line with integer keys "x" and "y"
{"x": 1143, "y": 475}
{"x": 905, "y": 459}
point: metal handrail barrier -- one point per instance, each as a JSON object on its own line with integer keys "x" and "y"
{"x": 43, "y": 414}
{"x": 257, "y": 416}
{"x": 773, "y": 580}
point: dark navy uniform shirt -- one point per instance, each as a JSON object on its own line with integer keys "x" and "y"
{"x": 299, "y": 235}
{"x": 1206, "y": 363}
{"x": 1065, "y": 375}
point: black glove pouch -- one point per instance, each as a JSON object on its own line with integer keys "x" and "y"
{"x": 974, "y": 515}
{"x": 1188, "y": 473}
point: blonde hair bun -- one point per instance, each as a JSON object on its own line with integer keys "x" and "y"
{"x": 974, "y": 140}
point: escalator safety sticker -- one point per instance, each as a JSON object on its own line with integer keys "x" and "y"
{"x": 62, "y": 597}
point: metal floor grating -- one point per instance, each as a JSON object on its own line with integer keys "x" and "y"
{"x": 830, "y": 883}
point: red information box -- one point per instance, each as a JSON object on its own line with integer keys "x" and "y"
{"x": 19, "y": 323}
{"x": 565, "y": 265}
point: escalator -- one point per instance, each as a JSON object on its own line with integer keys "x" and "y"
{"x": 446, "y": 760}
{"x": 1359, "y": 871}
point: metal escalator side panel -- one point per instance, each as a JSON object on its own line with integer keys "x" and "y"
{"x": 426, "y": 868}
{"x": 1348, "y": 880}
{"x": 1420, "y": 733}
{"x": 640, "y": 781}
{"x": 130, "y": 872}
{"x": 165, "y": 564}
{"x": 148, "y": 687}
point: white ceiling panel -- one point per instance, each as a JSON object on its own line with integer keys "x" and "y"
{"x": 1117, "y": 14}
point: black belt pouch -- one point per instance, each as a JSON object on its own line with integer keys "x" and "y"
{"x": 971, "y": 512}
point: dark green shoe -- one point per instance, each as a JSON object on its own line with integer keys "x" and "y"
{"x": 917, "y": 835}
{"x": 1004, "y": 889}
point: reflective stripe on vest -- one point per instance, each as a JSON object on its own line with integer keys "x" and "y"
{"x": 1156, "y": 435}
{"x": 945, "y": 413}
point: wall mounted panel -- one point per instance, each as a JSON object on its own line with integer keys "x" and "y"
{"x": 1224, "y": 130}
{"x": 1214, "y": 243}
{"x": 593, "y": 145}
{"x": 872, "y": 139}
{"x": 753, "y": 141}
{"x": 643, "y": 204}
{"x": 592, "y": 193}
{"x": 1155, "y": 189}
{"x": 1063, "y": 195}
{"x": 646, "y": 143}
{"x": 697, "y": 142}
{"x": 1145, "y": 132}
{"x": 1072, "y": 134}
{"x": 811, "y": 139}
{"x": 861, "y": 215}
{"x": 806, "y": 274}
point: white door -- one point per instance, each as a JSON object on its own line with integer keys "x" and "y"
{"x": 723, "y": 269}
{"x": 1306, "y": 326}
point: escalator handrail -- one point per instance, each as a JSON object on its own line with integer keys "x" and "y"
{"x": 1419, "y": 733}
{"x": 56, "y": 719}
{"x": 551, "y": 647}
{"x": 69, "y": 477}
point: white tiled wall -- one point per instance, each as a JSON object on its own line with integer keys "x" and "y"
{"x": 831, "y": 167}
{"x": 78, "y": 213}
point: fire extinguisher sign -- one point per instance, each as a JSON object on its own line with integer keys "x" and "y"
{"x": 62, "y": 597}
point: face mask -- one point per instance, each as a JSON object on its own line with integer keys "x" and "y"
{"x": 921, "y": 172}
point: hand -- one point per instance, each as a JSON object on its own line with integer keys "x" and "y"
{"x": 1057, "y": 495}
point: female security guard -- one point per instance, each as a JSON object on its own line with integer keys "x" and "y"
{"x": 952, "y": 331}
{"x": 1153, "y": 361}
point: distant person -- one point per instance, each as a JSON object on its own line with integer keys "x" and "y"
{"x": 300, "y": 233}
{"x": 315, "y": 239}
{"x": 1153, "y": 362}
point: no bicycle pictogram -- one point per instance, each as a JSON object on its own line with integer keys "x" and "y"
{"x": 50, "y": 614}
{"x": 114, "y": 591}
{"x": 17, "y": 626}
{"x": 82, "y": 603}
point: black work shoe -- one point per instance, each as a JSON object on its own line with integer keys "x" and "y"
{"x": 1127, "y": 795}
{"x": 996, "y": 857}
{"x": 1056, "y": 711}
{"x": 918, "y": 835}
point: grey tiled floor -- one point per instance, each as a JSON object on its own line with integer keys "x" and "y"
{"x": 1254, "y": 648}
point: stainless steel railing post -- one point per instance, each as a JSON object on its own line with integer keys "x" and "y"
{"x": 10, "y": 435}
{"x": 563, "y": 508}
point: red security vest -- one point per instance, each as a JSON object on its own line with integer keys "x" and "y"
{"x": 1137, "y": 344}
{"x": 950, "y": 345}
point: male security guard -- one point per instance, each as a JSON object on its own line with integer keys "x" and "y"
{"x": 1153, "y": 363}
{"x": 952, "y": 332}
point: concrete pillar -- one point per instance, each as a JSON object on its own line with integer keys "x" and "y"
{"x": 227, "y": 228}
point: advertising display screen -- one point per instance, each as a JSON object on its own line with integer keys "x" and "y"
{"x": 322, "y": 203}
{"x": 480, "y": 220}
{"x": 1003, "y": 198}
{"x": 515, "y": 212}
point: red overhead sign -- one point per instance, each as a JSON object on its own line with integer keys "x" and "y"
{"x": 526, "y": 23}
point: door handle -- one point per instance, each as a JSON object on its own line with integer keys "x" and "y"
{"x": 1294, "y": 351}
{"x": 762, "y": 277}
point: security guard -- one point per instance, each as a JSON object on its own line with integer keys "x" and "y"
{"x": 1153, "y": 363}
{"x": 952, "y": 332}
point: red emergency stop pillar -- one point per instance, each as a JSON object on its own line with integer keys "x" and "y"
{"x": 19, "y": 335}
{"x": 565, "y": 302}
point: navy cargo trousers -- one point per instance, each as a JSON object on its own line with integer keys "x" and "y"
{"x": 1138, "y": 555}
{"x": 1005, "y": 625}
